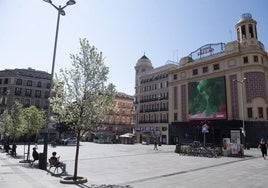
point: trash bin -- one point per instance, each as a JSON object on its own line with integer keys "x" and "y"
{"x": 42, "y": 163}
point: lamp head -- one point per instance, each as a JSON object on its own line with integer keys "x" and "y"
{"x": 62, "y": 12}
{"x": 48, "y": 1}
{"x": 70, "y": 2}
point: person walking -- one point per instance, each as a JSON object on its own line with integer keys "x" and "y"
{"x": 155, "y": 145}
{"x": 263, "y": 147}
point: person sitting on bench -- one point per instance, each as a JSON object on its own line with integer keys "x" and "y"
{"x": 55, "y": 161}
{"x": 35, "y": 155}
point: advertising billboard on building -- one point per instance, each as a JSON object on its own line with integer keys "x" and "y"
{"x": 207, "y": 99}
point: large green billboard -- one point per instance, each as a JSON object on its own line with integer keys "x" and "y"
{"x": 207, "y": 99}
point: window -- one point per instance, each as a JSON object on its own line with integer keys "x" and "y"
{"x": 175, "y": 117}
{"x": 6, "y": 81}
{"x": 47, "y": 94}
{"x": 39, "y": 84}
{"x": 48, "y": 86}
{"x": 37, "y": 103}
{"x": 245, "y": 59}
{"x": 195, "y": 72}
{"x": 0, "y": 81}
{"x": 255, "y": 59}
{"x": 17, "y": 91}
{"x": 175, "y": 77}
{"x": 260, "y": 112}
{"x": 38, "y": 93}
{"x": 243, "y": 28}
{"x": 250, "y": 115}
{"x": 27, "y": 102}
{"x": 216, "y": 66}
{"x": 250, "y": 28}
{"x": 28, "y": 92}
{"x": 205, "y": 69}
{"x": 19, "y": 82}
{"x": 29, "y": 83}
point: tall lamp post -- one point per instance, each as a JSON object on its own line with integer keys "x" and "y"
{"x": 60, "y": 12}
{"x": 241, "y": 82}
{"x": 159, "y": 100}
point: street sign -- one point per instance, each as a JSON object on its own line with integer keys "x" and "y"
{"x": 205, "y": 128}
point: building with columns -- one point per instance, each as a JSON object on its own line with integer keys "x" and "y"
{"x": 219, "y": 86}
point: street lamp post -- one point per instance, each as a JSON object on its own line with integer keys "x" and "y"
{"x": 60, "y": 12}
{"x": 241, "y": 82}
{"x": 159, "y": 100}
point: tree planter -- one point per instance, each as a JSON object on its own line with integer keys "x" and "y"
{"x": 70, "y": 180}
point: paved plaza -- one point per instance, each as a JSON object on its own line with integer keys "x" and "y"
{"x": 138, "y": 166}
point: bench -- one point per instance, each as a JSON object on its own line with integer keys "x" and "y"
{"x": 56, "y": 165}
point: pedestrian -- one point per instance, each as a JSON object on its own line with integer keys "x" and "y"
{"x": 155, "y": 145}
{"x": 14, "y": 150}
{"x": 263, "y": 147}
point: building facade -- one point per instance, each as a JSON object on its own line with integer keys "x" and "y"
{"x": 223, "y": 86}
{"x": 214, "y": 91}
{"x": 28, "y": 86}
{"x": 151, "y": 101}
{"x": 117, "y": 122}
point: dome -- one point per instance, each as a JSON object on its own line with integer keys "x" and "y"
{"x": 144, "y": 61}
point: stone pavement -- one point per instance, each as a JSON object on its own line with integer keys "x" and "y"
{"x": 138, "y": 166}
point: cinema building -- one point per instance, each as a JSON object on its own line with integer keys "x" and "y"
{"x": 220, "y": 88}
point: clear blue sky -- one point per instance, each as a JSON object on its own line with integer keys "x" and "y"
{"x": 122, "y": 29}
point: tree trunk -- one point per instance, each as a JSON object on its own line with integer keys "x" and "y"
{"x": 28, "y": 151}
{"x": 76, "y": 157}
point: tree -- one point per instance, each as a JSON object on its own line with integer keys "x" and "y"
{"x": 5, "y": 120}
{"x": 82, "y": 97}
{"x": 16, "y": 121}
{"x": 34, "y": 121}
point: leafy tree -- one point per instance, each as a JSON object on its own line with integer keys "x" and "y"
{"x": 15, "y": 123}
{"x": 5, "y": 121}
{"x": 82, "y": 96}
{"x": 34, "y": 120}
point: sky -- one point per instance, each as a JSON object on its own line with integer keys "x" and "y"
{"x": 123, "y": 30}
